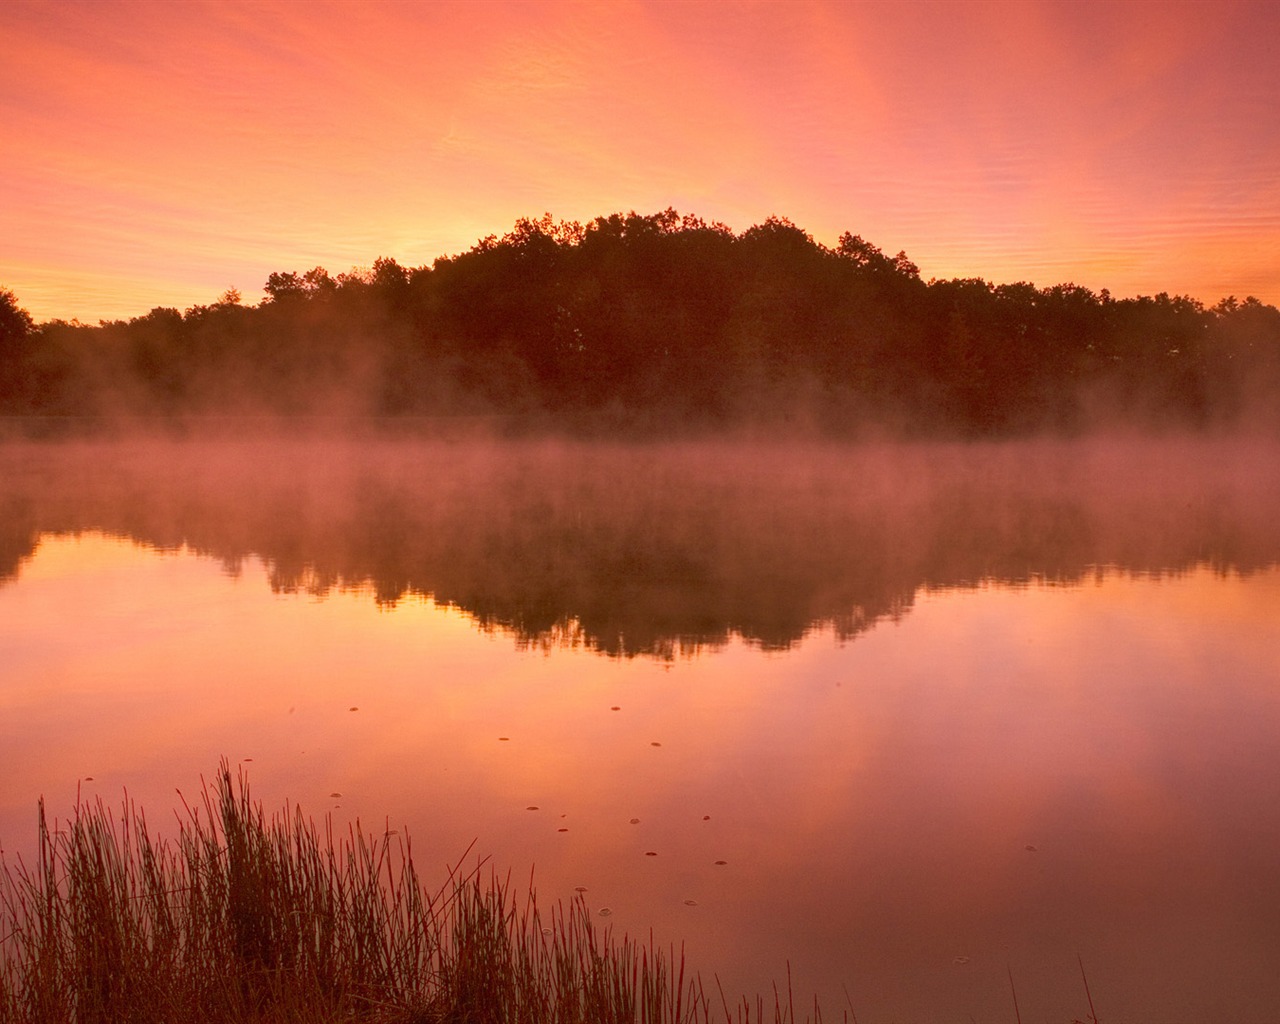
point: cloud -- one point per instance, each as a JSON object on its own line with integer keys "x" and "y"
{"x": 1048, "y": 141}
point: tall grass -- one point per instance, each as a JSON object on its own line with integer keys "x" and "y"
{"x": 246, "y": 918}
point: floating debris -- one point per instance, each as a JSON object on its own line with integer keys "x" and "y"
{"x": 562, "y": 830}
{"x": 635, "y": 821}
{"x": 706, "y": 817}
{"x": 353, "y": 709}
{"x": 655, "y": 743}
{"x": 690, "y": 903}
{"x": 615, "y": 708}
{"x": 650, "y": 853}
{"x": 1032, "y": 849}
{"x": 960, "y": 961}
{"x": 721, "y": 863}
{"x": 532, "y": 807}
{"x": 579, "y": 888}
{"x": 335, "y": 796}
{"x": 503, "y": 739}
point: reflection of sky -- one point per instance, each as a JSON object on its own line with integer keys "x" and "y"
{"x": 874, "y": 801}
{"x": 156, "y": 154}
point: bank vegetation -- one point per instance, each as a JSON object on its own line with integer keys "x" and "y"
{"x": 662, "y": 324}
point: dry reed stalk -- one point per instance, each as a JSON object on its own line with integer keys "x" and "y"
{"x": 247, "y": 919}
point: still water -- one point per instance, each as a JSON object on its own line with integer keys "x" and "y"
{"x": 904, "y": 720}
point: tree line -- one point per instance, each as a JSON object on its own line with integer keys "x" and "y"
{"x": 663, "y": 323}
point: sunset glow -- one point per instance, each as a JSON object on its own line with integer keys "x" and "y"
{"x": 159, "y": 154}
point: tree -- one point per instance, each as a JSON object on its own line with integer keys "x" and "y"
{"x": 15, "y": 322}
{"x": 860, "y": 252}
{"x": 318, "y": 282}
{"x": 283, "y": 287}
{"x": 15, "y": 348}
{"x": 388, "y": 274}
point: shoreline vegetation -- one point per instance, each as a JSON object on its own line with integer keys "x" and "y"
{"x": 657, "y": 325}
{"x": 245, "y": 918}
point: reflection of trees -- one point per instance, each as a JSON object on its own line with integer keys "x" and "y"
{"x": 656, "y": 549}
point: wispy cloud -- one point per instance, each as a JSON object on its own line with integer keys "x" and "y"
{"x": 1124, "y": 146}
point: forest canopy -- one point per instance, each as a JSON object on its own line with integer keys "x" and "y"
{"x": 661, "y": 324}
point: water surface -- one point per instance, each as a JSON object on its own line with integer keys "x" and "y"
{"x": 942, "y": 712}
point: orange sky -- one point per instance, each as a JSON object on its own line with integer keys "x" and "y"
{"x": 160, "y": 153}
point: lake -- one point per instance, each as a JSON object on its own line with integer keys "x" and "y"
{"x": 904, "y": 720}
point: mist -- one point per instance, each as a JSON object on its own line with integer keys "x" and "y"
{"x": 659, "y": 549}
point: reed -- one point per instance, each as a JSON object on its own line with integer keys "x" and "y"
{"x": 250, "y": 919}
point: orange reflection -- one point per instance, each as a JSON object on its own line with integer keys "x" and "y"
{"x": 874, "y": 801}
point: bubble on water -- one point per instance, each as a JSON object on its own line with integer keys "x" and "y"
{"x": 504, "y": 739}
{"x": 334, "y": 796}
{"x": 532, "y": 807}
{"x": 690, "y": 903}
{"x": 721, "y": 863}
{"x": 562, "y": 830}
{"x": 650, "y": 853}
{"x": 579, "y": 888}
{"x": 605, "y": 911}
{"x": 706, "y": 817}
{"x": 88, "y": 778}
{"x": 546, "y": 931}
{"x": 615, "y": 708}
{"x": 960, "y": 961}
{"x": 655, "y": 743}
{"x": 353, "y": 709}
{"x": 1032, "y": 849}
{"x": 635, "y": 821}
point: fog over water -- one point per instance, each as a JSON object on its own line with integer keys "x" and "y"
{"x": 905, "y": 717}
{"x": 653, "y": 548}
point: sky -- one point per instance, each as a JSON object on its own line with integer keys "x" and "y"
{"x": 158, "y": 154}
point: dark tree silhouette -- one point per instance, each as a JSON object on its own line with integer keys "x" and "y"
{"x": 666, "y": 323}
{"x": 15, "y": 351}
